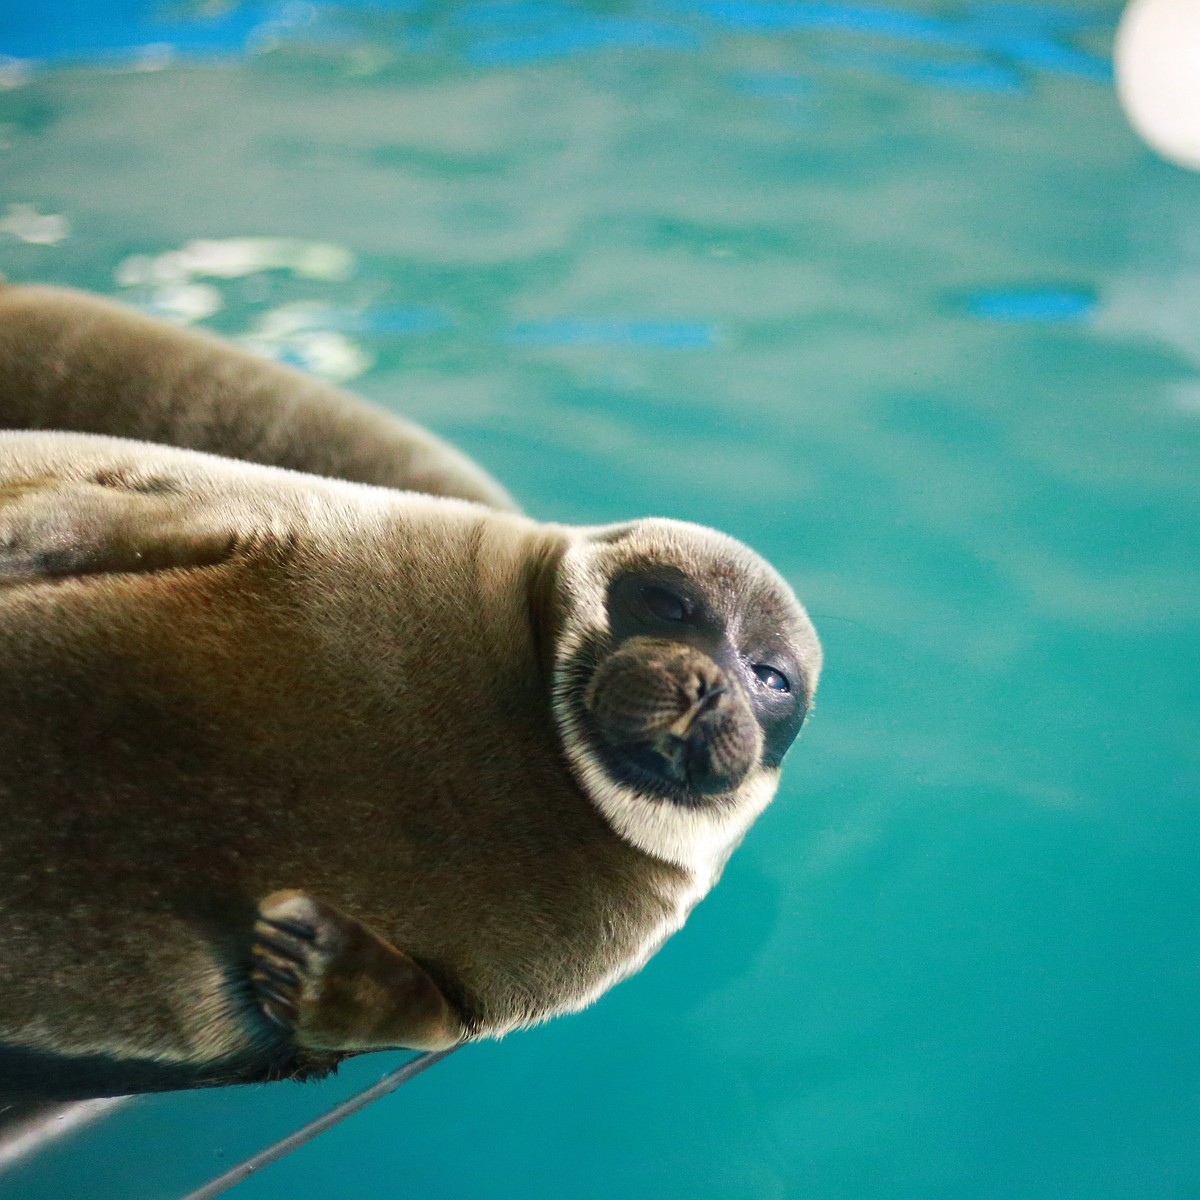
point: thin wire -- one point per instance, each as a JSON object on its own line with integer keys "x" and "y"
{"x": 48, "y": 1124}
{"x": 389, "y": 1083}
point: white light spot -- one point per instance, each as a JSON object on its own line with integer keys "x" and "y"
{"x": 155, "y": 57}
{"x": 182, "y": 303}
{"x": 286, "y": 336}
{"x": 234, "y": 258}
{"x": 26, "y": 224}
{"x": 14, "y": 72}
{"x": 1157, "y": 60}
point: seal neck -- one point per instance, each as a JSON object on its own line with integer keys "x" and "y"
{"x": 541, "y": 586}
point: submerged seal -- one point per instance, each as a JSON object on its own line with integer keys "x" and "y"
{"x": 293, "y": 768}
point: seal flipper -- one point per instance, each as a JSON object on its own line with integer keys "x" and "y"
{"x": 55, "y": 528}
{"x": 336, "y": 985}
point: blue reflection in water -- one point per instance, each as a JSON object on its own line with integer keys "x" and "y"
{"x": 390, "y": 320}
{"x": 581, "y": 35}
{"x": 959, "y": 76}
{"x": 576, "y": 332}
{"x": 520, "y": 12}
{"x": 113, "y": 28}
{"x": 1027, "y": 34}
{"x": 1047, "y": 305}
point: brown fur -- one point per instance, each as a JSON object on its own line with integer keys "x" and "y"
{"x": 69, "y": 360}
{"x": 351, "y": 698}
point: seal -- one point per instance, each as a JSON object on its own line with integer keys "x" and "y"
{"x": 294, "y": 768}
{"x": 73, "y": 361}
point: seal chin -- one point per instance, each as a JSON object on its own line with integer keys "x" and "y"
{"x": 671, "y": 723}
{"x": 684, "y": 779}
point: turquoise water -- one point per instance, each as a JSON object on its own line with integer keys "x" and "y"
{"x": 893, "y": 294}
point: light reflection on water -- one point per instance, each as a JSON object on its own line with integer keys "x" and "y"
{"x": 890, "y": 292}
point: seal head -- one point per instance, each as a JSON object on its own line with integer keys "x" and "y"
{"x": 684, "y": 670}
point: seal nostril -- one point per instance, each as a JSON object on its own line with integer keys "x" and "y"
{"x": 704, "y": 688}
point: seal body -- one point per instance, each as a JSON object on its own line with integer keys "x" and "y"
{"x": 73, "y": 361}
{"x": 316, "y": 684}
{"x": 293, "y": 767}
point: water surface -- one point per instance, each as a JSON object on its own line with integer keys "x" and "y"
{"x": 892, "y": 293}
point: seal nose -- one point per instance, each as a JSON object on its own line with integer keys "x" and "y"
{"x": 685, "y": 747}
{"x": 668, "y": 712}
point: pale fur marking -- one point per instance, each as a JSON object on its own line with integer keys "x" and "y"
{"x": 698, "y": 839}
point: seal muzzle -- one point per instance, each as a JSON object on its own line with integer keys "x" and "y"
{"x": 672, "y": 720}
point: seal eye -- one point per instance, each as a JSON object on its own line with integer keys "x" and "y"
{"x": 665, "y": 604}
{"x": 769, "y": 677}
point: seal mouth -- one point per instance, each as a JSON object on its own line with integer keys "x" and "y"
{"x": 668, "y": 721}
{"x": 680, "y": 772}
